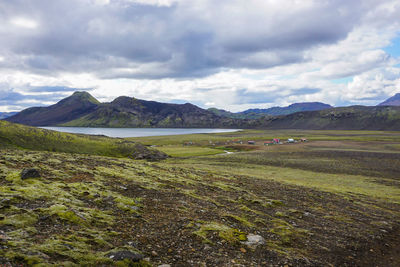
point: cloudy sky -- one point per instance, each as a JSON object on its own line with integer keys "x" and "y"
{"x": 231, "y": 54}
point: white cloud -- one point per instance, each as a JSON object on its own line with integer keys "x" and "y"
{"x": 24, "y": 22}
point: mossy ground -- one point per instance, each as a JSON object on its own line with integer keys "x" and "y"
{"x": 197, "y": 211}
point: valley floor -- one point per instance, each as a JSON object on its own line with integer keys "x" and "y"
{"x": 332, "y": 201}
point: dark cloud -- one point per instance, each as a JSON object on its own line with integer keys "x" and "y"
{"x": 126, "y": 39}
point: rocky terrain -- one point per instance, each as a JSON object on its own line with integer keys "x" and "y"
{"x": 325, "y": 202}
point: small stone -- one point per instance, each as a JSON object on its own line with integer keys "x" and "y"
{"x": 125, "y": 254}
{"x": 133, "y": 208}
{"x": 154, "y": 253}
{"x": 254, "y": 240}
{"x": 30, "y": 173}
{"x": 4, "y": 237}
{"x": 164, "y": 265}
{"x": 132, "y": 244}
{"x": 243, "y": 250}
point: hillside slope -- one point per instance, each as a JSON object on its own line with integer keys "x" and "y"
{"x": 344, "y": 118}
{"x": 21, "y": 136}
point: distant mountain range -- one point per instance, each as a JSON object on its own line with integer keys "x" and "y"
{"x": 4, "y": 115}
{"x": 274, "y": 111}
{"x": 82, "y": 109}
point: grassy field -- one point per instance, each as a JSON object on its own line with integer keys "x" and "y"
{"x": 192, "y": 151}
{"x": 266, "y": 135}
{"x": 332, "y": 201}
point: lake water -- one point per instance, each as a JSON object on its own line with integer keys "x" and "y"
{"x": 136, "y": 132}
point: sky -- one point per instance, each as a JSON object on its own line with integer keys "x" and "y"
{"x": 229, "y": 54}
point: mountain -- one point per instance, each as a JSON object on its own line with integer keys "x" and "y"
{"x": 4, "y": 115}
{"x": 343, "y": 118}
{"x": 293, "y": 108}
{"x": 392, "y": 101}
{"x": 131, "y": 112}
{"x": 70, "y": 108}
{"x": 81, "y": 109}
{"x": 274, "y": 111}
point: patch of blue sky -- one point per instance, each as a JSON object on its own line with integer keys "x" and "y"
{"x": 345, "y": 80}
{"x": 288, "y": 77}
{"x": 394, "y": 48}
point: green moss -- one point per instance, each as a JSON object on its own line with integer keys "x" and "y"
{"x": 287, "y": 234}
{"x": 66, "y": 214}
{"x": 20, "y": 220}
{"x": 14, "y": 177}
{"x": 225, "y": 232}
{"x": 75, "y": 248}
{"x": 240, "y": 219}
{"x": 280, "y": 214}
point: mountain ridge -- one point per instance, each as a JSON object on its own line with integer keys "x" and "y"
{"x": 83, "y": 110}
{"x": 392, "y": 101}
{"x": 342, "y": 118}
{"x": 4, "y": 115}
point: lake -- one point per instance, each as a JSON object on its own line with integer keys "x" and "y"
{"x": 137, "y": 132}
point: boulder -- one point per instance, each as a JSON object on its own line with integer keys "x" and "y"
{"x": 254, "y": 240}
{"x": 125, "y": 254}
{"x": 30, "y": 173}
{"x": 142, "y": 152}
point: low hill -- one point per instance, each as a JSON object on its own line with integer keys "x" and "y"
{"x": 225, "y": 113}
{"x": 4, "y": 115}
{"x": 70, "y": 108}
{"x": 21, "y": 136}
{"x": 392, "y": 101}
{"x": 344, "y": 118}
{"x": 274, "y": 111}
